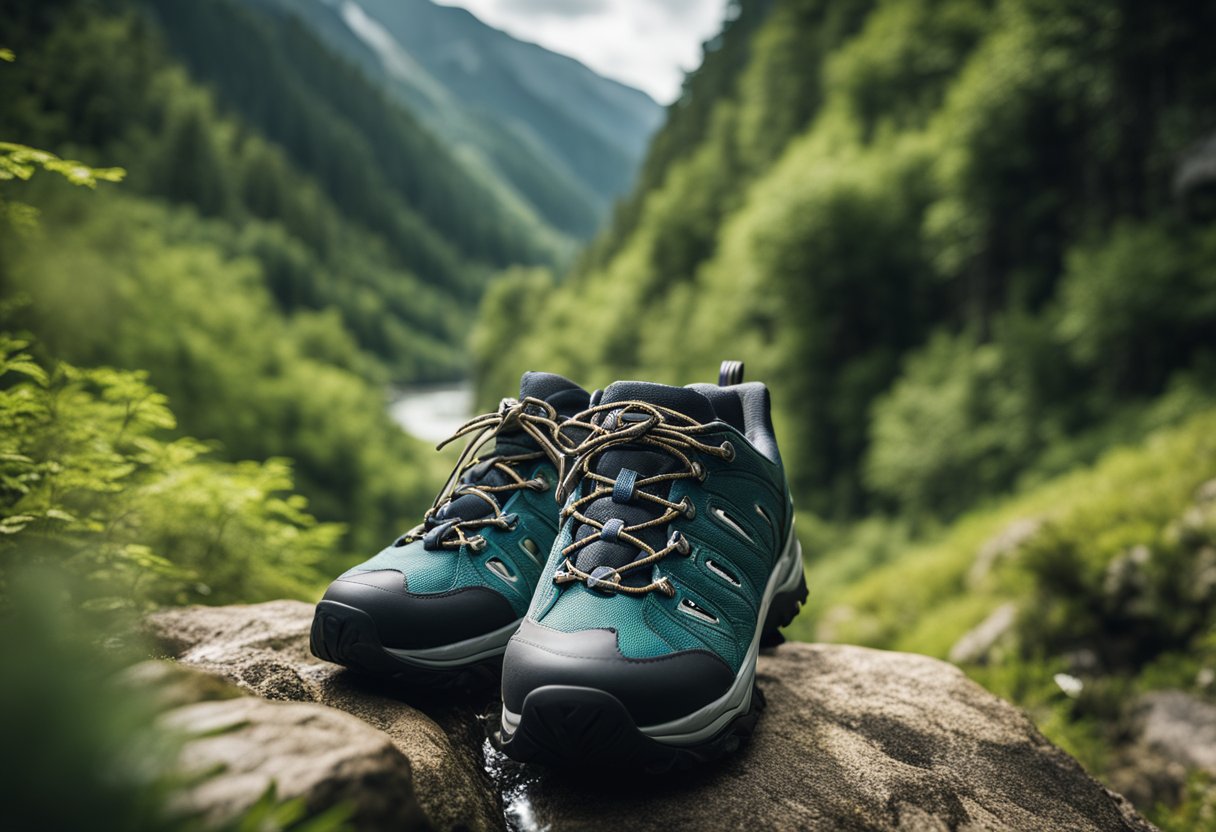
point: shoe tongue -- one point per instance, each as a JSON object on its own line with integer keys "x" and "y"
{"x": 564, "y": 395}
{"x": 646, "y": 462}
{"x": 554, "y": 389}
{"x": 680, "y": 399}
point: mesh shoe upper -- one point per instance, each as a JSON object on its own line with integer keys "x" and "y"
{"x": 450, "y": 578}
{"x": 708, "y": 591}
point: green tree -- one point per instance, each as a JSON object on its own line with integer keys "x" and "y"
{"x": 958, "y": 422}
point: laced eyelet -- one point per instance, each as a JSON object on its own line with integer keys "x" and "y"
{"x": 477, "y": 543}
{"x": 540, "y": 483}
{"x": 728, "y": 451}
{"x": 681, "y": 544}
{"x": 410, "y": 536}
{"x": 604, "y": 579}
{"x": 689, "y": 510}
{"x": 699, "y": 471}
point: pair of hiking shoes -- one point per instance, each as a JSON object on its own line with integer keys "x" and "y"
{"x": 624, "y": 620}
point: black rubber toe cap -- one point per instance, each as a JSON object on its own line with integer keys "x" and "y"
{"x": 411, "y": 621}
{"x": 654, "y": 690}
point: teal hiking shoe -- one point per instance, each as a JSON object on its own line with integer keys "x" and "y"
{"x": 676, "y": 561}
{"x": 440, "y": 603}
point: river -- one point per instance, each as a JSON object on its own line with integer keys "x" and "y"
{"x": 432, "y": 412}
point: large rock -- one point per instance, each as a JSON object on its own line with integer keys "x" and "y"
{"x": 263, "y": 648}
{"x": 855, "y": 739}
{"x": 851, "y": 739}
{"x": 246, "y": 746}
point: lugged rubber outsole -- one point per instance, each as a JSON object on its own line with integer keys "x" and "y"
{"x": 782, "y": 612}
{"x": 347, "y": 636}
{"x": 563, "y": 725}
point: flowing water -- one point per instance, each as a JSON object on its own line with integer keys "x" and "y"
{"x": 431, "y": 412}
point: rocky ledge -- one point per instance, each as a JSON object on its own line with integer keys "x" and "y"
{"x": 851, "y": 739}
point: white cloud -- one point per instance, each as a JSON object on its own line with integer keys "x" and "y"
{"x": 648, "y": 44}
{"x": 675, "y": 8}
{"x": 554, "y": 8}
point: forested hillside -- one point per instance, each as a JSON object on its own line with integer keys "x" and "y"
{"x": 288, "y": 239}
{"x": 373, "y": 218}
{"x": 971, "y": 247}
{"x": 929, "y": 224}
{"x": 381, "y": 167}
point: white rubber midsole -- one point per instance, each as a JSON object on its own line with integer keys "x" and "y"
{"x": 468, "y": 651}
{"x": 707, "y": 721}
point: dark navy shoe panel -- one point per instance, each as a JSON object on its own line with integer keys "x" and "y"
{"x": 654, "y": 691}
{"x": 416, "y": 622}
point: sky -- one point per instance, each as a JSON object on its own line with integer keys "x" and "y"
{"x": 648, "y": 44}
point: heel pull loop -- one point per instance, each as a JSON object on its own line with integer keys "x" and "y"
{"x": 730, "y": 372}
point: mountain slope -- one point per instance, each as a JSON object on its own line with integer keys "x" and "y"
{"x": 374, "y": 159}
{"x": 266, "y": 263}
{"x": 955, "y": 192}
{"x": 540, "y": 128}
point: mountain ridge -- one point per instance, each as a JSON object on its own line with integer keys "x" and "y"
{"x": 562, "y": 55}
{"x": 546, "y": 133}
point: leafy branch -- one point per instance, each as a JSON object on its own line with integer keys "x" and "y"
{"x": 18, "y": 161}
{"x": 21, "y": 162}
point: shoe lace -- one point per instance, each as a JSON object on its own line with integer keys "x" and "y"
{"x": 589, "y": 434}
{"x": 534, "y": 416}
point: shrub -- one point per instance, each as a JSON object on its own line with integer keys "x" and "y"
{"x": 89, "y": 484}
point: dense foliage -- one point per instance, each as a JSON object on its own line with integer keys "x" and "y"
{"x": 102, "y": 516}
{"x": 242, "y": 274}
{"x": 913, "y": 219}
{"x": 100, "y": 519}
{"x": 970, "y": 246}
{"x": 87, "y": 483}
{"x": 95, "y": 485}
{"x": 181, "y": 299}
{"x": 334, "y": 201}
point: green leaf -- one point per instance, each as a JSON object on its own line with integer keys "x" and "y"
{"x": 22, "y": 364}
{"x": 15, "y": 523}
